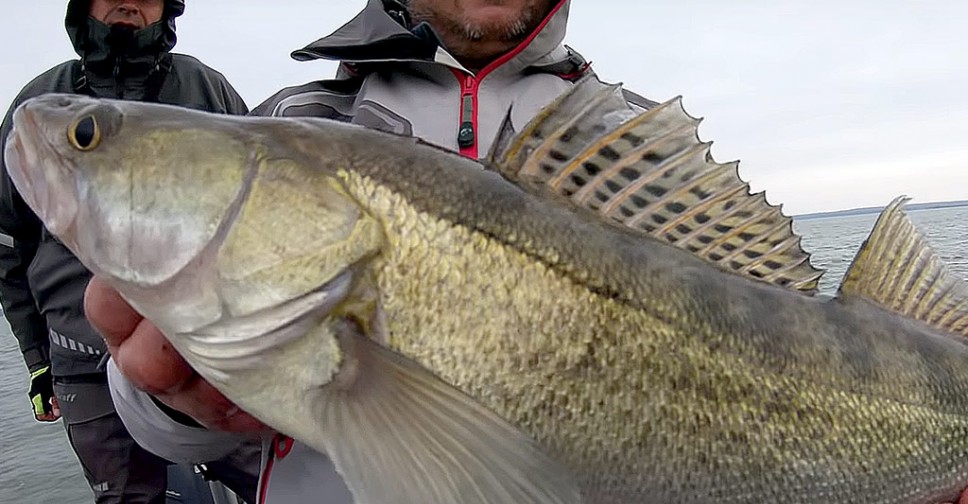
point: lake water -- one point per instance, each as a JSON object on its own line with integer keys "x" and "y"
{"x": 38, "y": 466}
{"x": 834, "y": 241}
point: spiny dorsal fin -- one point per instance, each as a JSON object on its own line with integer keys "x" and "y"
{"x": 897, "y": 269}
{"x": 649, "y": 171}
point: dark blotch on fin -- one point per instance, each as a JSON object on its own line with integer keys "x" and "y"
{"x": 649, "y": 171}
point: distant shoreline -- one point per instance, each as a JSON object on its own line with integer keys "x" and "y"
{"x": 877, "y": 209}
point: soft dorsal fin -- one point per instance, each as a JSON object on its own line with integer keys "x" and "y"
{"x": 649, "y": 171}
{"x": 897, "y": 269}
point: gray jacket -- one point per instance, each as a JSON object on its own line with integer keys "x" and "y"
{"x": 396, "y": 80}
{"x": 402, "y": 81}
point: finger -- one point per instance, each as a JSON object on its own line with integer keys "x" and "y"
{"x": 55, "y": 407}
{"x": 149, "y": 361}
{"x": 109, "y": 313}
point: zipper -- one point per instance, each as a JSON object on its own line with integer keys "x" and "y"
{"x": 281, "y": 446}
{"x": 264, "y": 478}
{"x": 467, "y": 129}
{"x": 118, "y": 82}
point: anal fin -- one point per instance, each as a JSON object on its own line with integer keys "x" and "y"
{"x": 898, "y": 270}
{"x": 398, "y": 433}
{"x": 650, "y": 172}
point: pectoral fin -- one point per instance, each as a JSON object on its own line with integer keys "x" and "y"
{"x": 399, "y": 434}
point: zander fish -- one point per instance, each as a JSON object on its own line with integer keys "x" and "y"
{"x": 600, "y": 313}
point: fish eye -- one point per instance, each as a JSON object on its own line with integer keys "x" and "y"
{"x": 84, "y": 134}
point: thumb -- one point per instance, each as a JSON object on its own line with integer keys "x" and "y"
{"x": 109, "y": 313}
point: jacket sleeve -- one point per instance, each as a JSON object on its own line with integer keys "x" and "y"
{"x": 222, "y": 95}
{"x": 234, "y": 104}
{"x": 20, "y": 232}
{"x": 158, "y": 433}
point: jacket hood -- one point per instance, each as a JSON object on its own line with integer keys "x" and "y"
{"x": 78, "y": 27}
{"x": 379, "y": 33}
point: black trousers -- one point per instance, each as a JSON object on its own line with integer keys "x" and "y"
{"x": 116, "y": 467}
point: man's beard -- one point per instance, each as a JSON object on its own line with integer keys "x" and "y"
{"x": 511, "y": 31}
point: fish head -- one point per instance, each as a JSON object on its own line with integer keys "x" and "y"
{"x": 110, "y": 189}
{"x": 41, "y": 155}
{"x": 137, "y": 193}
{"x": 216, "y": 228}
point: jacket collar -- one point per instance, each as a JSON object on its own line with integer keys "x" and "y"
{"x": 379, "y": 34}
{"x": 130, "y": 53}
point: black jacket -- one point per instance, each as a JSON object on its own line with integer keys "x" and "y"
{"x": 41, "y": 283}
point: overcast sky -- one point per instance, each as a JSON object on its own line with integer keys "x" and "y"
{"x": 827, "y": 104}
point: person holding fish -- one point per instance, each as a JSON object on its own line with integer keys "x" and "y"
{"x": 406, "y": 327}
{"x": 125, "y": 52}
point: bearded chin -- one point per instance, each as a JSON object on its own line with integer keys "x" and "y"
{"x": 510, "y": 31}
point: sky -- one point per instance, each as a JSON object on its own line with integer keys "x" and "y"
{"x": 826, "y": 104}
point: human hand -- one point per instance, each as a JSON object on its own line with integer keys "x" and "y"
{"x": 41, "y": 395}
{"x": 146, "y": 358}
{"x": 962, "y": 500}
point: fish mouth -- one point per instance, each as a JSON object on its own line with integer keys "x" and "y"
{"x": 40, "y": 182}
